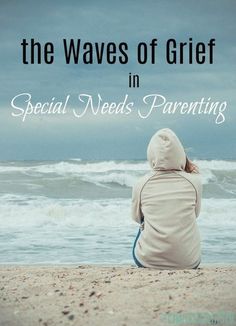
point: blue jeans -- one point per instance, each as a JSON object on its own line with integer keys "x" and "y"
{"x": 134, "y": 257}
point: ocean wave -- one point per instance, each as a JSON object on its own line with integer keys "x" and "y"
{"x": 218, "y": 213}
{"x": 123, "y": 173}
{"x": 207, "y": 176}
{"x": 75, "y": 159}
{"x": 26, "y": 211}
{"x": 18, "y": 211}
{"x": 64, "y": 167}
{"x": 79, "y": 166}
{"x": 122, "y": 179}
{"x": 215, "y": 165}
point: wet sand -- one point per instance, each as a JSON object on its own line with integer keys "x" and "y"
{"x": 95, "y": 295}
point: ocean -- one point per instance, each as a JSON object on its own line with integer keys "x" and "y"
{"x": 78, "y": 212}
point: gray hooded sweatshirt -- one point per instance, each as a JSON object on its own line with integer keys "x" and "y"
{"x": 169, "y": 200}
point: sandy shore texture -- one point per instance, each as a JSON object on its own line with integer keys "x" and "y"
{"x": 95, "y": 295}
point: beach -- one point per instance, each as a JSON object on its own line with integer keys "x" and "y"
{"x": 120, "y": 295}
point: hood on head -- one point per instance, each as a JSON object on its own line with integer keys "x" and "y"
{"x": 165, "y": 151}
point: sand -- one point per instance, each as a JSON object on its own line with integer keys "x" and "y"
{"x": 95, "y": 295}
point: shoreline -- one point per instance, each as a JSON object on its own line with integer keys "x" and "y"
{"x": 105, "y": 265}
{"x": 115, "y": 295}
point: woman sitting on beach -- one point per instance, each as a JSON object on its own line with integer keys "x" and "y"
{"x": 166, "y": 204}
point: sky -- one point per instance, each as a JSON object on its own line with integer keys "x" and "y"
{"x": 116, "y": 136}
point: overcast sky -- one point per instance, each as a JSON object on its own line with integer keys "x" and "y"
{"x": 116, "y": 136}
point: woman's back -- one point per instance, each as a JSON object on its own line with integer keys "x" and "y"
{"x": 170, "y": 238}
{"x": 169, "y": 201}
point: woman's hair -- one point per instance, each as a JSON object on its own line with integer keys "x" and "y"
{"x": 190, "y": 167}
